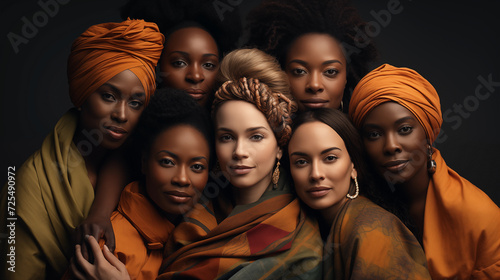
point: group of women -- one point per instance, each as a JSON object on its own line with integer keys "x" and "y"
{"x": 283, "y": 159}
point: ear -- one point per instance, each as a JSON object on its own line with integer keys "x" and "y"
{"x": 279, "y": 154}
{"x": 354, "y": 172}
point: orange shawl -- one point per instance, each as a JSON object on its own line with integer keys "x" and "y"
{"x": 106, "y": 49}
{"x": 461, "y": 232}
{"x": 461, "y": 228}
{"x": 269, "y": 239}
{"x": 140, "y": 233}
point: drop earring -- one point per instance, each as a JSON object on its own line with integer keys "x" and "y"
{"x": 431, "y": 164}
{"x": 357, "y": 189}
{"x": 276, "y": 175}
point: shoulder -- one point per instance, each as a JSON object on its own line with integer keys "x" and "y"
{"x": 367, "y": 220}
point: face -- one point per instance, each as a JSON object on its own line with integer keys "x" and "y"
{"x": 246, "y": 146}
{"x": 316, "y": 68}
{"x": 111, "y": 113}
{"x": 190, "y": 62}
{"x": 395, "y": 142}
{"x": 176, "y": 169}
{"x": 320, "y": 165}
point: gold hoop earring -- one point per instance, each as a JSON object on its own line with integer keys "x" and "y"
{"x": 276, "y": 175}
{"x": 357, "y": 189}
{"x": 431, "y": 164}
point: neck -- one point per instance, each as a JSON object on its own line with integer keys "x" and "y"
{"x": 328, "y": 214}
{"x": 415, "y": 190}
{"x": 414, "y": 194}
{"x": 251, "y": 194}
{"x": 92, "y": 155}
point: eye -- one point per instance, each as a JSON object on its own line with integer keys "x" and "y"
{"x": 256, "y": 137}
{"x": 108, "y": 96}
{"x": 198, "y": 167}
{"x": 166, "y": 162}
{"x": 405, "y": 130}
{"x": 300, "y": 162}
{"x": 136, "y": 104}
{"x": 331, "y": 72}
{"x": 372, "y": 135}
{"x": 331, "y": 158}
{"x": 179, "y": 63}
{"x": 298, "y": 72}
{"x": 225, "y": 138}
{"x": 209, "y": 66}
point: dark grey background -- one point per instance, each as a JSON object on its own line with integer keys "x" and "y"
{"x": 450, "y": 44}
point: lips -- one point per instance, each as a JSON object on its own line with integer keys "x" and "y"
{"x": 178, "y": 197}
{"x": 116, "y": 132}
{"x": 240, "y": 169}
{"x": 196, "y": 93}
{"x": 318, "y": 191}
{"x": 396, "y": 166}
{"x": 314, "y": 102}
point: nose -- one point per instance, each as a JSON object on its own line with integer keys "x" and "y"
{"x": 195, "y": 74}
{"x": 391, "y": 144}
{"x": 317, "y": 173}
{"x": 314, "y": 84}
{"x": 240, "y": 151}
{"x": 119, "y": 113}
{"x": 181, "y": 178}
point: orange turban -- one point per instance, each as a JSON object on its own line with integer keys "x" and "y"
{"x": 107, "y": 49}
{"x": 402, "y": 85}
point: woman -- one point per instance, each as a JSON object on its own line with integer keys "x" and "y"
{"x": 175, "y": 137}
{"x": 399, "y": 116}
{"x": 109, "y": 86}
{"x": 362, "y": 240}
{"x": 254, "y": 227}
{"x": 318, "y": 45}
{"x": 196, "y": 39}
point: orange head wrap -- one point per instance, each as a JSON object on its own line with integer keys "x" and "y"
{"x": 402, "y": 85}
{"x": 107, "y": 49}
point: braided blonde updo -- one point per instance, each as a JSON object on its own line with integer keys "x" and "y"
{"x": 253, "y": 76}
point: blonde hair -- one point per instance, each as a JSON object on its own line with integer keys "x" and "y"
{"x": 253, "y": 76}
{"x": 254, "y": 63}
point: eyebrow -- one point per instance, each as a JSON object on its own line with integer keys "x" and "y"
{"x": 372, "y": 125}
{"x": 304, "y": 63}
{"x": 141, "y": 95}
{"x": 322, "y": 152}
{"x": 330, "y": 149}
{"x": 187, "y": 54}
{"x": 247, "y": 130}
{"x": 405, "y": 119}
{"x": 332, "y": 61}
{"x": 168, "y": 152}
{"x": 176, "y": 156}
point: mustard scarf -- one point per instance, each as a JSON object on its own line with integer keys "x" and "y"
{"x": 53, "y": 195}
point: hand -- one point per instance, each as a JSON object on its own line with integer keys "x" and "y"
{"x": 100, "y": 228}
{"x": 106, "y": 265}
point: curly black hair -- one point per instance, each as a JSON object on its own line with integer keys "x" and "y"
{"x": 168, "y": 108}
{"x": 275, "y": 24}
{"x": 171, "y": 15}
